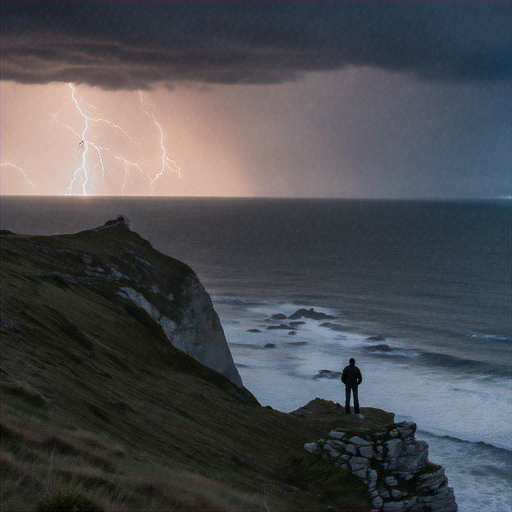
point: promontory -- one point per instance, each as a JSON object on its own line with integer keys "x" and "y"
{"x": 119, "y": 393}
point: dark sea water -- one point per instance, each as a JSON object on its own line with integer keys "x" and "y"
{"x": 431, "y": 278}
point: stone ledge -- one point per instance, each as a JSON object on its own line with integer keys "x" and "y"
{"x": 394, "y": 466}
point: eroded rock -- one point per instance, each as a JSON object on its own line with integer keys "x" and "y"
{"x": 394, "y": 466}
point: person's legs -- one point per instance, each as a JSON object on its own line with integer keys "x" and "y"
{"x": 356, "y": 400}
{"x": 347, "y": 399}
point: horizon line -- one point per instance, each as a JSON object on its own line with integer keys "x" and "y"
{"x": 362, "y": 198}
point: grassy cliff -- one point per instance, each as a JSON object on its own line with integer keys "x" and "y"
{"x": 98, "y": 405}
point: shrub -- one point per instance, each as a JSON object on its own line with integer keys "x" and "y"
{"x": 67, "y": 502}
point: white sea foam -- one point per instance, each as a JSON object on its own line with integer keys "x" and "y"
{"x": 495, "y": 337}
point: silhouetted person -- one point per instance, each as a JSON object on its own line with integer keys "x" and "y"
{"x": 351, "y": 377}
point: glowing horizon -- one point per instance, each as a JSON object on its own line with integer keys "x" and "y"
{"x": 313, "y": 138}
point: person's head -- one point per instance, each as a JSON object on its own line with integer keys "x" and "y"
{"x": 352, "y": 361}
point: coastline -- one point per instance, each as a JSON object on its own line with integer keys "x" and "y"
{"x": 184, "y": 228}
{"x": 86, "y": 400}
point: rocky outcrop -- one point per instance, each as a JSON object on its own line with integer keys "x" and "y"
{"x": 394, "y": 466}
{"x": 311, "y": 314}
{"x": 327, "y": 374}
{"x": 375, "y": 338}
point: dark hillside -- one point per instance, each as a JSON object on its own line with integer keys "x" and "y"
{"x": 96, "y": 401}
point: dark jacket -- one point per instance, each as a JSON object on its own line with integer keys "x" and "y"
{"x": 351, "y": 375}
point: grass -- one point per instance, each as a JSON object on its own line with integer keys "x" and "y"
{"x": 97, "y": 403}
{"x": 67, "y": 501}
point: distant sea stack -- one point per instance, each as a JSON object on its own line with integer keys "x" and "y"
{"x": 119, "y": 265}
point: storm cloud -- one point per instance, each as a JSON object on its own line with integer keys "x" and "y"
{"x": 137, "y": 45}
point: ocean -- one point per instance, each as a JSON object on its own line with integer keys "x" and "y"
{"x": 430, "y": 281}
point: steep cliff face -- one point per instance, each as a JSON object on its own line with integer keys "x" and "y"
{"x": 198, "y": 332}
{"x": 394, "y": 466}
{"x": 123, "y": 267}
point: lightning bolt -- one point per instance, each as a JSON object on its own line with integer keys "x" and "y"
{"x": 166, "y": 163}
{"x": 91, "y": 151}
{"x": 22, "y": 172}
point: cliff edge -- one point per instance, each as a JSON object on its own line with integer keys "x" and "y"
{"x": 123, "y": 267}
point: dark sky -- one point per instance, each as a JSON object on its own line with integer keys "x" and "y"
{"x": 331, "y": 98}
